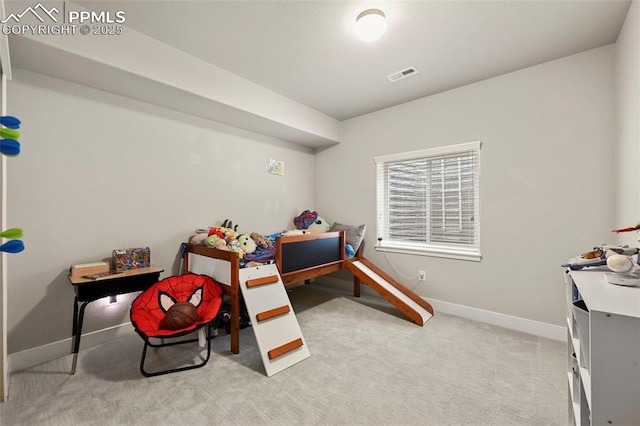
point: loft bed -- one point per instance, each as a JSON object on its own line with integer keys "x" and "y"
{"x": 298, "y": 258}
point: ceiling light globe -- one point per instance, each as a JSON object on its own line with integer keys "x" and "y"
{"x": 371, "y": 24}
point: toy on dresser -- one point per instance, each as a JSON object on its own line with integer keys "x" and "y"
{"x": 625, "y": 268}
{"x": 622, "y": 261}
{"x": 598, "y": 256}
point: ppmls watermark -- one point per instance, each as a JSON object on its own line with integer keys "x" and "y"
{"x": 58, "y": 20}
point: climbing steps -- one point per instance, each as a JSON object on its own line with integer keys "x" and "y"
{"x": 400, "y": 296}
{"x": 274, "y": 323}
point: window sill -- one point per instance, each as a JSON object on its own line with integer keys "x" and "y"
{"x": 433, "y": 252}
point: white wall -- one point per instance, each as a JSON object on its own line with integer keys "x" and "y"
{"x": 627, "y": 140}
{"x": 99, "y": 172}
{"x": 547, "y": 175}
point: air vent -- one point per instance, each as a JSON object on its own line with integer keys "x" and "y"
{"x": 399, "y": 75}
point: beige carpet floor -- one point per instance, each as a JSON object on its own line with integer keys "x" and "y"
{"x": 368, "y": 365}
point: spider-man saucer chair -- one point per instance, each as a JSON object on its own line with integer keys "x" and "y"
{"x": 153, "y": 316}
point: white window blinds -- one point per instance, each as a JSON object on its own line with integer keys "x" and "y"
{"x": 428, "y": 201}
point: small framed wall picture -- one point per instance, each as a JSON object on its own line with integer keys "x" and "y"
{"x": 276, "y": 167}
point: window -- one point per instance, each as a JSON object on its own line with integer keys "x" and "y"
{"x": 428, "y": 202}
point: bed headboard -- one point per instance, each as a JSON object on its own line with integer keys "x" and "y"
{"x": 302, "y": 252}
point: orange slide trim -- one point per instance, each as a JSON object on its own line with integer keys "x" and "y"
{"x": 396, "y": 301}
{"x": 262, "y": 316}
{"x": 406, "y": 290}
{"x": 262, "y": 281}
{"x": 287, "y": 347}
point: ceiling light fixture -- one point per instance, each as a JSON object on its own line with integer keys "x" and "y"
{"x": 371, "y": 24}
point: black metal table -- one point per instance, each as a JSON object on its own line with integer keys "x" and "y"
{"x": 88, "y": 290}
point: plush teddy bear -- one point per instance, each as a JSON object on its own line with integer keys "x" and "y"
{"x": 261, "y": 241}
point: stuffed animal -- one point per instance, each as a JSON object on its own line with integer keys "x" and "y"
{"x": 234, "y": 245}
{"x": 230, "y": 234}
{"x": 227, "y": 231}
{"x": 202, "y": 235}
{"x": 216, "y": 241}
{"x": 198, "y": 238}
{"x": 216, "y": 231}
{"x": 305, "y": 219}
{"x": 294, "y": 232}
{"x": 319, "y": 226}
{"x": 261, "y": 241}
{"x": 229, "y": 224}
{"x": 311, "y": 222}
{"x": 246, "y": 243}
{"x": 227, "y": 234}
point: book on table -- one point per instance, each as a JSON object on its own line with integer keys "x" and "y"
{"x": 80, "y": 270}
{"x": 102, "y": 275}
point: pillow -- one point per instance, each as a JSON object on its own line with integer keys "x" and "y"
{"x": 353, "y": 234}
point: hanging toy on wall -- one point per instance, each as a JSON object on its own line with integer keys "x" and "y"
{"x": 10, "y": 146}
{"x": 9, "y": 133}
{"x": 14, "y": 245}
{"x": 11, "y": 233}
{"x": 10, "y": 122}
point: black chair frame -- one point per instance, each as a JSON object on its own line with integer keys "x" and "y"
{"x": 149, "y": 344}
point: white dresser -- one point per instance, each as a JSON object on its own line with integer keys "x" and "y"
{"x": 603, "y": 350}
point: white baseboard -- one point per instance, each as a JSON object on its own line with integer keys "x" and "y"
{"x": 537, "y": 328}
{"x": 30, "y": 357}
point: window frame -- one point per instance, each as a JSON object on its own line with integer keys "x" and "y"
{"x": 469, "y": 251}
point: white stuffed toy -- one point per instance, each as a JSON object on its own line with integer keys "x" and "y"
{"x": 319, "y": 226}
{"x": 246, "y": 243}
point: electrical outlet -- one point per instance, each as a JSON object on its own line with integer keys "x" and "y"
{"x": 422, "y": 275}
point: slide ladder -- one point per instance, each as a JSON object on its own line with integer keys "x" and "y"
{"x": 280, "y": 340}
{"x": 400, "y": 296}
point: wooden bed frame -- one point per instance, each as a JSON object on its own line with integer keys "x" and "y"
{"x": 298, "y": 258}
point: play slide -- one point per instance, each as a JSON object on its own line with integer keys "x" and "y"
{"x": 400, "y": 296}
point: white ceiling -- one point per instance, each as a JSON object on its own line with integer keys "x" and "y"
{"x": 307, "y": 50}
